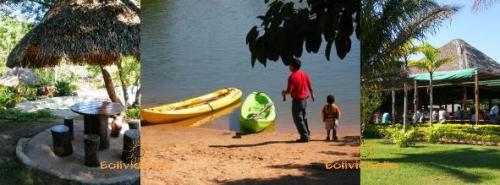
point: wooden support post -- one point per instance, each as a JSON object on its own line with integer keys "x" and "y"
{"x": 415, "y": 96}
{"x": 476, "y": 96}
{"x": 131, "y": 152}
{"x": 405, "y": 106}
{"x": 91, "y": 145}
{"x": 464, "y": 104}
{"x": 61, "y": 140}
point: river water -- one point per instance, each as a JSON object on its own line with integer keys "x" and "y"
{"x": 192, "y": 47}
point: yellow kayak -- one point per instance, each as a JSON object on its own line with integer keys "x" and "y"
{"x": 207, "y": 117}
{"x": 192, "y": 107}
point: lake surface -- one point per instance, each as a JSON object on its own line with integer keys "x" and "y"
{"x": 192, "y": 47}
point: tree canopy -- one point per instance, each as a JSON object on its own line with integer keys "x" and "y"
{"x": 11, "y": 31}
{"x": 289, "y": 27}
{"x": 30, "y": 8}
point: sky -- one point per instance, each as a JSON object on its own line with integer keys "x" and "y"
{"x": 481, "y": 29}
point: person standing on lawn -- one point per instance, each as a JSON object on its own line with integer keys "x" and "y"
{"x": 299, "y": 88}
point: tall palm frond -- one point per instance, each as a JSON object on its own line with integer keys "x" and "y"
{"x": 483, "y": 4}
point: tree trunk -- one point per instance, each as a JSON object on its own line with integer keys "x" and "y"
{"x": 393, "y": 106}
{"x": 110, "y": 88}
{"x": 430, "y": 100}
{"x": 124, "y": 84}
{"x": 137, "y": 101}
{"x": 405, "y": 106}
{"x": 476, "y": 98}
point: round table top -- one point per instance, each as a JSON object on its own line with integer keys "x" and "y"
{"x": 97, "y": 108}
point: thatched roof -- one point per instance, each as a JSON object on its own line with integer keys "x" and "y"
{"x": 466, "y": 56}
{"x": 96, "y": 32}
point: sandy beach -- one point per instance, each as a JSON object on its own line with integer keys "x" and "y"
{"x": 193, "y": 155}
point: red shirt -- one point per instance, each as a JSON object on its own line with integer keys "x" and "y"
{"x": 298, "y": 85}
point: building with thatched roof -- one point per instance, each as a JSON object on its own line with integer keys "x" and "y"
{"x": 470, "y": 78}
{"x": 93, "y": 32}
{"x": 466, "y": 57}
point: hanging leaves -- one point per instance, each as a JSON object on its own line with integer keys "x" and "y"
{"x": 286, "y": 29}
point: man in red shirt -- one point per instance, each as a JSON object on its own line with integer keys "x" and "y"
{"x": 299, "y": 88}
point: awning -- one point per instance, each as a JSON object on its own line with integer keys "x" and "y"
{"x": 463, "y": 76}
{"x": 446, "y": 75}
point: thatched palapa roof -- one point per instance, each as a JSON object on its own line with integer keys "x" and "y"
{"x": 95, "y": 32}
{"x": 466, "y": 57}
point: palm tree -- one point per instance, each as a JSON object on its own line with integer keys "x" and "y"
{"x": 386, "y": 26}
{"x": 407, "y": 49}
{"x": 430, "y": 63}
{"x": 483, "y": 4}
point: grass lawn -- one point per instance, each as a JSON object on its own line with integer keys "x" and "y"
{"x": 429, "y": 164}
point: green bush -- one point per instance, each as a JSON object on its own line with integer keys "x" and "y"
{"x": 395, "y": 134}
{"x": 8, "y": 97}
{"x": 27, "y": 92}
{"x": 133, "y": 113}
{"x": 64, "y": 88}
{"x": 432, "y": 134}
{"x": 20, "y": 115}
{"x": 407, "y": 139}
{"x": 373, "y": 131}
{"x": 46, "y": 76}
{"x": 465, "y": 133}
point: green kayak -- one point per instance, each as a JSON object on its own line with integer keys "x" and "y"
{"x": 257, "y": 112}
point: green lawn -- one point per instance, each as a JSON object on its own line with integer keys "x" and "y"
{"x": 429, "y": 164}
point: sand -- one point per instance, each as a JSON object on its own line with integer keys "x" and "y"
{"x": 187, "y": 155}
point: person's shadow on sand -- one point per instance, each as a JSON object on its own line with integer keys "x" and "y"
{"x": 345, "y": 141}
{"x": 314, "y": 173}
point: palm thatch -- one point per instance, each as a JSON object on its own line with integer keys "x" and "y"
{"x": 95, "y": 32}
{"x": 465, "y": 57}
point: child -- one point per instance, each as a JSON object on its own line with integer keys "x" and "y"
{"x": 331, "y": 114}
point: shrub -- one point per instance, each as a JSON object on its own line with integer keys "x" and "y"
{"x": 27, "y": 92}
{"x": 403, "y": 139}
{"x": 432, "y": 134}
{"x": 133, "y": 113}
{"x": 373, "y": 131}
{"x": 462, "y": 133}
{"x": 64, "y": 88}
{"x": 486, "y": 134}
{"x": 8, "y": 97}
